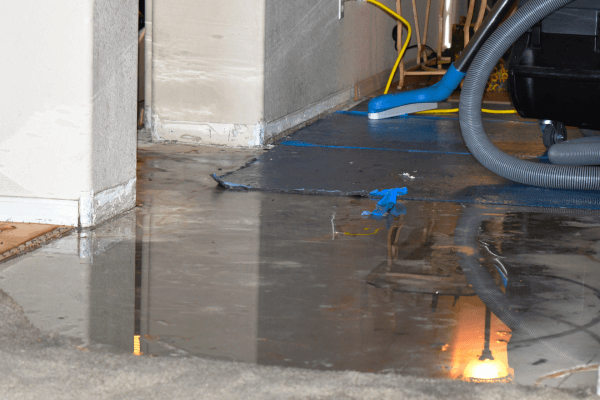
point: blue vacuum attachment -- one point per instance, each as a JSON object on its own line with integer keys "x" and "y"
{"x": 393, "y": 105}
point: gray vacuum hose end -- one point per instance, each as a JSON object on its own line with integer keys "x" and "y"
{"x": 509, "y": 167}
{"x": 581, "y": 151}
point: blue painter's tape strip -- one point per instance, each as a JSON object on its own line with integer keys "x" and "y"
{"x": 298, "y": 143}
{"x": 432, "y": 94}
{"x": 350, "y": 112}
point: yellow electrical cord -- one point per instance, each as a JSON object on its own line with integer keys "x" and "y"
{"x": 401, "y": 54}
{"x": 361, "y": 234}
{"x": 455, "y": 110}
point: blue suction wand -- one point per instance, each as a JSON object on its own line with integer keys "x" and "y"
{"x": 393, "y": 105}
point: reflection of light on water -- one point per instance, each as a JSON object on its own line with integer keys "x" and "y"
{"x": 470, "y": 360}
{"x": 486, "y": 371}
{"x": 136, "y": 346}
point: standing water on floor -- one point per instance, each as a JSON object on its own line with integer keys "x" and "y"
{"x": 470, "y": 292}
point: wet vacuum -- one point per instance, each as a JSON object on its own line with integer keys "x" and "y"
{"x": 553, "y": 77}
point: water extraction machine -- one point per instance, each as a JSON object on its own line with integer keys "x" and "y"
{"x": 554, "y": 77}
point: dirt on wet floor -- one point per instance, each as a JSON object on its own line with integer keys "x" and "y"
{"x": 263, "y": 295}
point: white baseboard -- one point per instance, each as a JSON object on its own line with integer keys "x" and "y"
{"x": 91, "y": 209}
{"x": 232, "y": 135}
{"x": 39, "y": 211}
{"x": 236, "y": 135}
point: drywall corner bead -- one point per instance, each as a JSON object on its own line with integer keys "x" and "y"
{"x": 154, "y": 126}
{"x": 86, "y": 208}
{"x": 258, "y": 134}
{"x": 148, "y": 118}
{"x": 95, "y": 208}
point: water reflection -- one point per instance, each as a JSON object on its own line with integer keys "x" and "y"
{"x": 483, "y": 294}
{"x": 425, "y": 264}
{"x": 81, "y": 286}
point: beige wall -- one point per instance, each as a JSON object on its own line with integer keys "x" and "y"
{"x": 207, "y": 69}
{"x": 311, "y": 54}
{"x": 238, "y": 73}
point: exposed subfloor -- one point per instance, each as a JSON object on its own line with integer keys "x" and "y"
{"x": 204, "y": 278}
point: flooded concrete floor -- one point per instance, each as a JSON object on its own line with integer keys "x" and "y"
{"x": 306, "y": 281}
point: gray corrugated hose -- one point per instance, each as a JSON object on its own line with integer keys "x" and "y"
{"x": 581, "y": 151}
{"x": 515, "y": 169}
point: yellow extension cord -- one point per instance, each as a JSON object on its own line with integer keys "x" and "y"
{"x": 401, "y": 54}
{"x": 455, "y": 110}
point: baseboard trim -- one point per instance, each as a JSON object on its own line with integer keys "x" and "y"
{"x": 232, "y": 135}
{"x": 236, "y": 135}
{"x": 91, "y": 208}
{"x": 39, "y": 211}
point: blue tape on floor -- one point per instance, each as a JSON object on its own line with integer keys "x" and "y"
{"x": 299, "y": 143}
{"x": 360, "y": 113}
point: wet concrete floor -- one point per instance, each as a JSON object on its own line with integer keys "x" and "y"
{"x": 480, "y": 293}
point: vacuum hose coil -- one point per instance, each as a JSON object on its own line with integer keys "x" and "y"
{"x": 581, "y": 151}
{"x": 509, "y": 167}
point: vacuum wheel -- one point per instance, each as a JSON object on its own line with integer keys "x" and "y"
{"x": 552, "y": 132}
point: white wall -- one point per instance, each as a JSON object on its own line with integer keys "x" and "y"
{"x": 67, "y": 123}
{"x": 46, "y": 98}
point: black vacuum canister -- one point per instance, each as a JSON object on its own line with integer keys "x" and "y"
{"x": 554, "y": 69}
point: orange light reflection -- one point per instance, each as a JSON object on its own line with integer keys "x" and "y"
{"x": 136, "y": 346}
{"x": 468, "y": 341}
